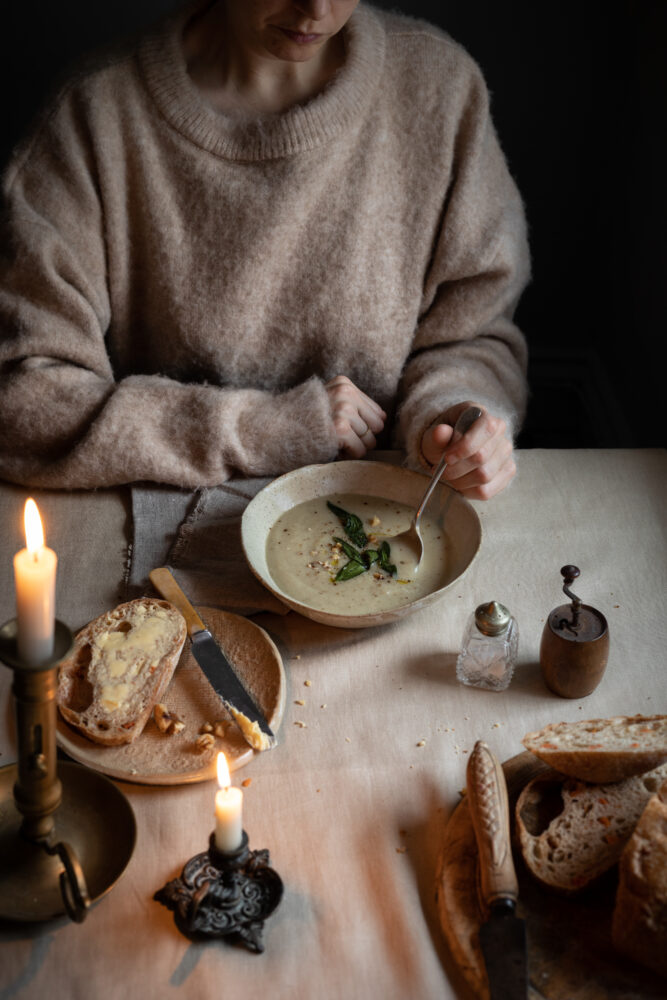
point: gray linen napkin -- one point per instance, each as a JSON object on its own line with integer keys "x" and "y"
{"x": 197, "y": 534}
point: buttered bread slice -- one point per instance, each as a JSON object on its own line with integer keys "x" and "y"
{"x": 120, "y": 666}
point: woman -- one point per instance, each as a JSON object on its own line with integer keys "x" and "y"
{"x": 251, "y": 243}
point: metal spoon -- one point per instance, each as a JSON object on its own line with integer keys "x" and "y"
{"x": 412, "y": 538}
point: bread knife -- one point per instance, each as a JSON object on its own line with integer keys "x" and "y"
{"x": 503, "y": 936}
{"x": 216, "y": 667}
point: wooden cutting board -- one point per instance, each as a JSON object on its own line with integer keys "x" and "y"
{"x": 570, "y": 954}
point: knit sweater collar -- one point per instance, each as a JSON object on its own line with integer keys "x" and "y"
{"x": 300, "y": 128}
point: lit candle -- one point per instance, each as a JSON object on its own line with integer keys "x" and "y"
{"x": 35, "y": 580}
{"x": 228, "y": 810}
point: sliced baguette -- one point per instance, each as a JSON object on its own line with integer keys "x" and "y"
{"x": 602, "y": 750}
{"x": 120, "y": 666}
{"x": 572, "y": 832}
{"x": 639, "y": 927}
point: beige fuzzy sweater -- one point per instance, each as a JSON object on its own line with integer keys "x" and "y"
{"x": 176, "y": 286}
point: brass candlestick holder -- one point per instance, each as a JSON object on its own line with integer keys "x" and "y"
{"x": 66, "y": 833}
{"x": 227, "y": 894}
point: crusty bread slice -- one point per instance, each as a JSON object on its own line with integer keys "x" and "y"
{"x": 120, "y": 666}
{"x": 602, "y": 750}
{"x": 639, "y": 927}
{"x": 571, "y": 832}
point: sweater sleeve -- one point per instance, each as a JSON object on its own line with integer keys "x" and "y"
{"x": 467, "y": 346}
{"x": 65, "y": 420}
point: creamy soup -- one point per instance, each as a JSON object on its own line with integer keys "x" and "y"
{"x": 304, "y": 558}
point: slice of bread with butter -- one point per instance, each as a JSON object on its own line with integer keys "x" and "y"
{"x": 120, "y": 666}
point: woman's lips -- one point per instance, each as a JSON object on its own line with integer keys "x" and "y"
{"x": 299, "y": 37}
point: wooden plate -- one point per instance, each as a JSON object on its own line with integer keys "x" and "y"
{"x": 570, "y": 954}
{"x": 156, "y": 759}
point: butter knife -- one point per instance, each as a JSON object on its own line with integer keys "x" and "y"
{"x": 216, "y": 667}
{"x": 503, "y": 936}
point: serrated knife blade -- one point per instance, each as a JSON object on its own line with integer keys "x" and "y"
{"x": 503, "y": 935}
{"x": 216, "y": 667}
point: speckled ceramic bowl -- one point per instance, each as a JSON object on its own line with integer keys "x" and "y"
{"x": 463, "y": 529}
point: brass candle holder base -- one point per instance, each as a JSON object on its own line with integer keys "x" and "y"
{"x": 224, "y": 894}
{"x": 94, "y": 820}
{"x": 66, "y": 833}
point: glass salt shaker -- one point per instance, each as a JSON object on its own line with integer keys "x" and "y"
{"x": 489, "y": 648}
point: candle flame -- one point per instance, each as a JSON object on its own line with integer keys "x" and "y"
{"x": 224, "y": 780}
{"x": 34, "y": 533}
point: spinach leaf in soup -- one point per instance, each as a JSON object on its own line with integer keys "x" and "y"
{"x": 352, "y": 525}
{"x": 350, "y": 570}
{"x": 359, "y": 561}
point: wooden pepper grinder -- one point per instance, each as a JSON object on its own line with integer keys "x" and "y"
{"x": 575, "y": 645}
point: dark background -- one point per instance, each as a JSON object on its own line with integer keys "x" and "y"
{"x": 578, "y": 96}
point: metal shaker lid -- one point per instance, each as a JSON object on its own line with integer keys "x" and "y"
{"x": 492, "y": 618}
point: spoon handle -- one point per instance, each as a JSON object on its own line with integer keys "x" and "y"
{"x": 463, "y": 424}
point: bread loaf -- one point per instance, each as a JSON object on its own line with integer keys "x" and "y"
{"x": 571, "y": 832}
{"x": 602, "y": 750}
{"x": 120, "y": 666}
{"x": 639, "y": 927}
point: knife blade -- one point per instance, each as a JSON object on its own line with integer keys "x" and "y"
{"x": 503, "y": 935}
{"x": 216, "y": 667}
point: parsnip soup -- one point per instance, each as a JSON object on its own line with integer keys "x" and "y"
{"x": 336, "y": 554}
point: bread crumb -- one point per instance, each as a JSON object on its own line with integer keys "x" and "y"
{"x": 496, "y": 725}
{"x": 297, "y": 656}
{"x": 422, "y": 743}
{"x": 401, "y": 850}
{"x": 247, "y": 782}
{"x": 220, "y": 729}
{"x": 347, "y": 739}
{"x": 307, "y": 684}
{"x": 299, "y": 701}
{"x": 374, "y": 521}
{"x": 302, "y": 725}
{"x": 323, "y": 706}
{"x": 206, "y": 728}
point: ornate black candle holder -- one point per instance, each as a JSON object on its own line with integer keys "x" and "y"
{"x": 224, "y": 894}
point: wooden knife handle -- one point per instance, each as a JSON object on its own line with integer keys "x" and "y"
{"x": 489, "y": 809}
{"x": 165, "y": 584}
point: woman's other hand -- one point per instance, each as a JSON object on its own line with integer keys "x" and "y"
{"x": 356, "y": 417}
{"x": 480, "y": 464}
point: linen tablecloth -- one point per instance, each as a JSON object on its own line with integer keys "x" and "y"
{"x": 353, "y": 805}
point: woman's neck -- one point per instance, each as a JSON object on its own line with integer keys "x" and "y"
{"x": 234, "y": 79}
